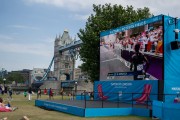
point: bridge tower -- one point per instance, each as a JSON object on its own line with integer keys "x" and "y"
{"x": 63, "y": 63}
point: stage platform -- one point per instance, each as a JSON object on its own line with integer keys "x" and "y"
{"x": 90, "y": 108}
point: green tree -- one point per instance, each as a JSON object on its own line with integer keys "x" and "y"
{"x": 105, "y": 17}
{"x": 15, "y": 76}
{"x": 1, "y": 80}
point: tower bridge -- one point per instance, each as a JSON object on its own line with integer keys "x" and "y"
{"x": 66, "y": 52}
{"x": 73, "y": 45}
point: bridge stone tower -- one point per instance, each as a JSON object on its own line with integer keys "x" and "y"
{"x": 63, "y": 63}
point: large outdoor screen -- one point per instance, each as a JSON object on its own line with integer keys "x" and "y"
{"x": 133, "y": 52}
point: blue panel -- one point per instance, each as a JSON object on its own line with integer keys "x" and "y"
{"x": 166, "y": 111}
{"x": 171, "y": 61}
{"x": 60, "y": 107}
{"x": 82, "y": 97}
{"x": 94, "y": 112}
{"x": 141, "y": 112}
{"x": 157, "y": 109}
{"x": 114, "y": 89}
{"x": 171, "y": 111}
{"x": 132, "y": 25}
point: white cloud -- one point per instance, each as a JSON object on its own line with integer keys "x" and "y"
{"x": 80, "y": 17}
{"x": 71, "y": 5}
{"x": 156, "y": 6}
{"x": 5, "y": 37}
{"x": 23, "y": 27}
{"x": 51, "y": 2}
{"x": 49, "y": 40}
{"x": 78, "y": 63}
{"x": 35, "y": 49}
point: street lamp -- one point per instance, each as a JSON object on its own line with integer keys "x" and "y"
{"x": 4, "y": 81}
{"x": 76, "y": 88}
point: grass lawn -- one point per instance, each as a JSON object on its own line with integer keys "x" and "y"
{"x": 28, "y": 108}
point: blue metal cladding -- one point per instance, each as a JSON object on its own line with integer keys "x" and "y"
{"x": 60, "y": 107}
{"x": 97, "y": 112}
{"x": 171, "y": 61}
{"x": 91, "y": 112}
{"x": 122, "y": 90}
{"x": 141, "y": 112}
{"x": 132, "y": 25}
{"x": 171, "y": 65}
{"x": 166, "y": 111}
{"x": 117, "y": 49}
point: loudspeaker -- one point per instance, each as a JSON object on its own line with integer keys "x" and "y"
{"x": 175, "y": 45}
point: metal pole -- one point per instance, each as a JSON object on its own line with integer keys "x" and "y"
{"x": 62, "y": 96}
{"x": 102, "y": 103}
{"x": 147, "y": 100}
{"x": 102, "y": 100}
{"x": 118, "y": 100}
{"x": 75, "y": 88}
{"x": 85, "y": 99}
{"x": 176, "y": 27}
{"x": 4, "y": 84}
{"x": 72, "y": 68}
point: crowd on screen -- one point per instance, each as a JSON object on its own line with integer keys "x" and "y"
{"x": 150, "y": 40}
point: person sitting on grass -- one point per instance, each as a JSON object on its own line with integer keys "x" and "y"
{"x": 6, "y": 108}
{"x": 23, "y": 118}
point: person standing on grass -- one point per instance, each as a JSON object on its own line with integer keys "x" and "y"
{"x": 50, "y": 92}
{"x": 25, "y": 93}
{"x": 10, "y": 93}
{"x": 3, "y": 89}
{"x": 45, "y": 91}
{"x": 39, "y": 93}
{"x": 30, "y": 93}
{"x": 61, "y": 91}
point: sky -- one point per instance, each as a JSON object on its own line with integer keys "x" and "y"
{"x": 28, "y": 27}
